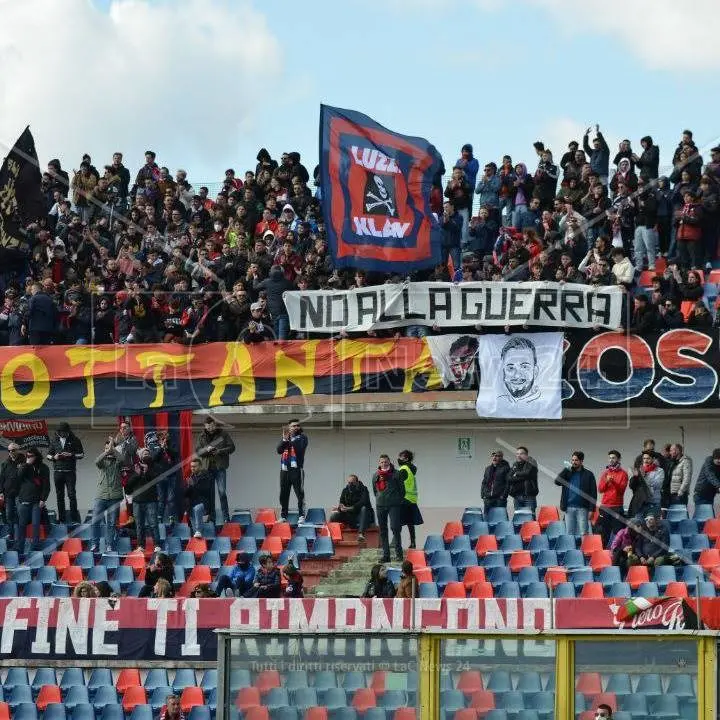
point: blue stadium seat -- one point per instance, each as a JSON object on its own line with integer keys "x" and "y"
{"x": 324, "y": 680}
{"x": 211, "y": 558}
{"x": 665, "y": 707}
{"x": 676, "y": 542}
{"x": 536, "y": 590}
{"x": 528, "y": 575}
{"x": 58, "y": 531}
{"x": 207, "y": 530}
{"x": 9, "y": 588}
{"x": 493, "y": 559}
{"x": 573, "y": 559}
{"x": 496, "y": 515}
{"x": 85, "y": 560}
{"x": 509, "y": 590}
{"x": 299, "y": 545}
{"x": 676, "y": 513}
{"x": 141, "y": 712}
{"x": 609, "y": 576}
{"x": 459, "y": 544}
{"x": 77, "y": 695}
{"x": 19, "y": 694}
{"x": 323, "y": 548}
{"x": 663, "y": 575}
{"x": 511, "y": 544}
{"x": 681, "y": 686}
{"x": 465, "y": 559}
{"x": 124, "y": 575}
{"x": 158, "y": 695}
{"x": 470, "y": 516}
{"x": 25, "y": 711}
{"x": 110, "y": 560}
{"x": 542, "y": 702}
{"x": 374, "y": 713}
{"x": 184, "y": 677}
{"x": 21, "y": 575}
{"x": 502, "y": 529}
{"x": 636, "y": 704}
{"x": 97, "y": 573}
{"x": 620, "y": 590}
{"x": 452, "y": 700}
{"x": 564, "y": 543}
{"x": 200, "y": 712}
{"x": 276, "y": 697}
{"x": 648, "y": 590}
{"x": 182, "y": 531}
{"x": 286, "y": 556}
{"x": 393, "y": 699}
{"x": 696, "y": 544}
{"x": 100, "y": 677}
{"x": 703, "y": 512}
{"x": 247, "y": 545}
{"x": 10, "y": 559}
{"x": 499, "y": 575}
{"x": 240, "y": 678}
{"x": 83, "y": 712}
{"x": 520, "y": 517}
{"x": 255, "y": 530}
{"x": 295, "y": 679}
{"x": 134, "y": 588}
{"x": 16, "y": 676}
{"x": 538, "y": 543}
{"x": 173, "y": 546}
{"x": 433, "y": 543}
{"x": 72, "y": 677}
{"x": 687, "y": 527}
{"x": 60, "y": 589}
{"x": 43, "y": 676}
{"x": 443, "y": 575}
{"x": 580, "y": 576}
{"x": 34, "y": 589}
{"x": 705, "y": 588}
{"x": 103, "y": 696}
{"x": 499, "y": 681}
{"x": 315, "y": 516}
{"x": 156, "y": 677}
{"x": 555, "y": 529}
{"x": 393, "y": 574}
{"x": 305, "y": 531}
{"x": 564, "y": 590}
{"x": 496, "y": 715}
{"x": 690, "y": 575}
{"x": 619, "y": 683}
{"x": 353, "y": 680}
{"x": 334, "y": 697}
{"x": 242, "y": 517}
{"x": 185, "y": 559}
{"x": 440, "y": 558}
{"x": 476, "y": 530}
{"x": 546, "y": 559}
{"x": 529, "y": 683}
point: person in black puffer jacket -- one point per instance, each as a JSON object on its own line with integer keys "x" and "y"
{"x": 389, "y": 495}
{"x": 523, "y": 481}
{"x": 494, "y": 488}
{"x": 64, "y": 452}
{"x": 142, "y": 488}
{"x": 33, "y": 491}
{"x": 275, "y": 285}
{"x": 10, "y": 484}
{"x": 161, "y": 567}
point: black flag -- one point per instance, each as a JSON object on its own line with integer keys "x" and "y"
{"x": 21, "y": 200}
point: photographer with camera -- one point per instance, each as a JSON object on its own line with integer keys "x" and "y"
{"x": 292, "y": 450}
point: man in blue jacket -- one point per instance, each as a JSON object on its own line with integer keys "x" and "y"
{"x": 292, "y": 450}
{"x": 599, "y": 154}
{"x": 240, "y": 579}
{"x": 469, "y": 163}
{"x": 42, "y": 317}
{"x": 578, "y": 496}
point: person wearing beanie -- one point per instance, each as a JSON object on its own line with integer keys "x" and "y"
{"x": 241, "y": 577}
{"x": 469, "y": 163}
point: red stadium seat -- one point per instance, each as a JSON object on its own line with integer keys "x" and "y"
{"x": 423, "y": 574}
{"x": 676, "y": 589}
{"x": 191, "y": 696}
{"x": 281, "y": 530}
{"x": 72, "y": 575}
{"x": 128, "y": 677}
{"x": 3, "y": 573}
{"x": 645, "y": 279}
{"x": 588, "y": 683}
{"x": 486, "y": 544}
{"x": 200, "y": 574}
{"x": 73, "y": 547}
{"x": 334, "y": 530}
{"x": 482, "y": 701}
{"x": 592, "y": 591}
{"x": 48, "y": 694}
{"x": 482, "y": 590}
{"x": 266, "y": 516}
{"x": 231, "y": 530}
{"x": 364, "y": 699}
{"x": 60, "y": 560}
{"x": 272, "y": 545}
{"x": 405, "y": 713}
{"x": 529, "y": 529}
{"x": 518, "y": 560}
{"x": 709, "y": 558}
{"x": 712, "y": 529}
{"x": 470, "y": 681}
{"x": 637, "y": 575}
{"x": 247, "y": 699}
{"x": 465, "y": 714}
{"x": 377, "y": 681}
{"x": 134, "y": 695}
{"x": 452, "y": 529}
{"x": 416, "y": 557}
{"x": 197, "y": 546}
{"x": 316, "y": 713}
{"x": 590, "y": 543}
{"x": 474, "y": 574}
{"x": 267, "y": 680}
{"x": 454, "y": 590}
{"x": 547, "y": 514}
{"x": 555, "y": 575}
{"x": 135, "y": 560}
{"x": 4, "y": 711}
{"x": 600, "y": 559}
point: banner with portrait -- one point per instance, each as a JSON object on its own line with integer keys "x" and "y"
{"x": 520, "y": 376}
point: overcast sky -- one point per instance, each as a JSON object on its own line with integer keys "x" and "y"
{"x": 206, "y": 83}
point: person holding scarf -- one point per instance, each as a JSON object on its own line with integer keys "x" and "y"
{"x": 411, "y": 512}
{"x": 647, "y": 487}
{"x": 389, "y": 496}
{"x": 292, "y": 450}
{"x": 612, "y": 485}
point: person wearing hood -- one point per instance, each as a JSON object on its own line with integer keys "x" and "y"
{"x": 599, "y": 154}
{"x": 494, "y": 487}
{"x": 264, "y": 162}
{"x": 546, "y": 179}
{"x": 707, "y": 484}
{"x": 623, "y": 544}
{"x": 523, "y": 481}
{"x": 108, "y": 497}
{"x": 379, "y": 586}
{"x": 297, "y": 169}
{"x": 407, "y": 474}
{"x": 664, "y": 199}
{"x": 649, "y": 162}
{"x": 522, "y": 192}
{"x": 33, "y": 491}
{"x": 64, "y": 452}
{"x": 240, "y": 579}
{"x": 469, "y": 163}
{"x": 624, "y": 175}
{"x": 275, "y": 285}
{"x": 613, "y": 483}
{"x": 389, "y": 494}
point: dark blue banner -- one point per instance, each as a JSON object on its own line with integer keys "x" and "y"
{"x": 376, "y": 187}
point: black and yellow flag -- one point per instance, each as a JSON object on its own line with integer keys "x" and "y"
{"x": 21, "y": 200}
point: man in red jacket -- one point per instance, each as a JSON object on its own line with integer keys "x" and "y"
{"x": 613, "y": 482}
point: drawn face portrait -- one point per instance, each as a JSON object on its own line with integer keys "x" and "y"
{"x": 519, "y": 371}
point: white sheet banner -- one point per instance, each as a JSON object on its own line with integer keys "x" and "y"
{"x": 454, "y": 357}
{"x": 520, "y": 376}
{"x": 454, "y": 305}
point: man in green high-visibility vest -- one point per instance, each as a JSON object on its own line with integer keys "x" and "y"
{"x": 411, "y": 512}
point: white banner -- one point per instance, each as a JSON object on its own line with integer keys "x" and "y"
{"x": 454, "y": 357}
{"x": 439, "y": 304}
{"x": 520, "y": 376}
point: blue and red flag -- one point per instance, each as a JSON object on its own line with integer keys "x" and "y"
{"x": 376, "y": 187}
{"x": 177, "y": 425}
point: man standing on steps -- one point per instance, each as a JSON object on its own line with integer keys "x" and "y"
{"x": 215, "y": 446}
{"x": 389, "y": 496}
{"x": 292, "y": 450}
{"x": 65, "y": 450}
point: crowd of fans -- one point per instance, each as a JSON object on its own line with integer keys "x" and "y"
{"x": 157, "y": 260}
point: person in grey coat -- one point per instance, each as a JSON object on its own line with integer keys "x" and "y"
{"x": 108, "y": 496}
